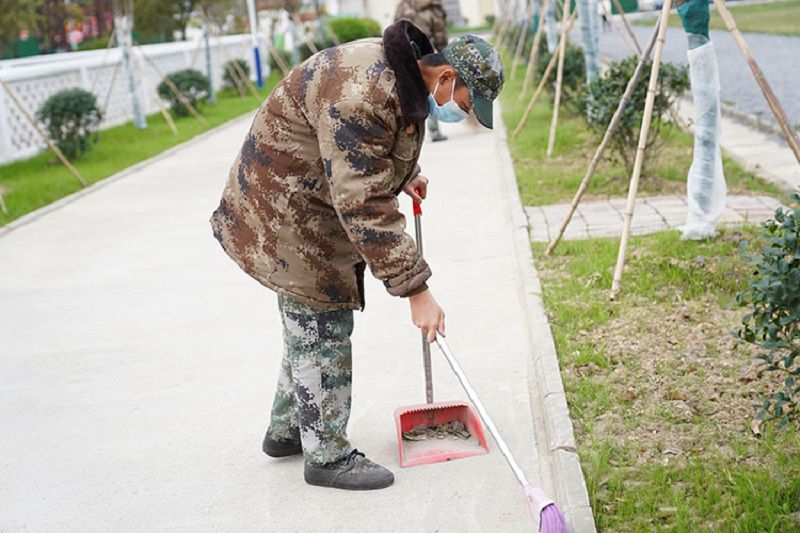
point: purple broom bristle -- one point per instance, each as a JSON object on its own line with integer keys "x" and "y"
{"x": 551, "y": 520}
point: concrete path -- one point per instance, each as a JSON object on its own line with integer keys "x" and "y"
{"x": 138, "y": 364}
{"x": 605, "y": 218}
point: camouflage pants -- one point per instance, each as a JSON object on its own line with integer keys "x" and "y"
{"x": 312, "y": 402}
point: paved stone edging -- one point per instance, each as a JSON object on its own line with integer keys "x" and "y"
{"x": 61, "y": 202}
{"x": 604, "y": 218}
{"x": 546, "y": 385}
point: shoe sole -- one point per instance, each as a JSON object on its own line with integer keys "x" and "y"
{"x": 327, "y": 484}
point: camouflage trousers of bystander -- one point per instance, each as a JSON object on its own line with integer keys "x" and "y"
{"x": 312, "y": 401}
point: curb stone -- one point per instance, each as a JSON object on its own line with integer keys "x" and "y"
{"x": 66, "y": 200}
{"x": 546, "y": 385}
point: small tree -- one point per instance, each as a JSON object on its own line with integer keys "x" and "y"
{"x": 230, "y": 75}
{"x": 191, "y": 83}
{"x": 600, "y": 99}
{"x": 773, "y": 296}
{"x": 71, "y": 118}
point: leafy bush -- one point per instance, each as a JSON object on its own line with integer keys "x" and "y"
{"x": 191, "y": 83}
{"x": 599, "y": 100}
{"x": 230, "y": 73}
{"x": 773, "y": 296}
{"x": 353, "y": 28}
{"x": 574, "y": 67}
{"x": 71, "y": 118}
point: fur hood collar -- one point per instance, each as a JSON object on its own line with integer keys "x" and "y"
{"x": 403, "y": 44}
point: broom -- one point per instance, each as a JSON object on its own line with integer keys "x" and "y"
{"x": 550, "y": 518}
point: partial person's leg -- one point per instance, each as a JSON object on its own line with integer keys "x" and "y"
{"x": 319, "y": 355}
{"x": 433, "y": 128}
{"x": 283, "y": 435}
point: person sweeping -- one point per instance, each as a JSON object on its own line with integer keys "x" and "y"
{"x": 311, "y": 201}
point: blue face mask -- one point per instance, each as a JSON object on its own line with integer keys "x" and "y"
{"x": 449, "y": 112}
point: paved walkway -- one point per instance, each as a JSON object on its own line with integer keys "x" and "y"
{"x": 138, "y": 364}
{"x": 604, "y": 218}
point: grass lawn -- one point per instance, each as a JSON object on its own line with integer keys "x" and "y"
{"x": 551, "y": 181}
{"x": 779, "y": 18}
{"x": 660, "y": 392}
{"x": 36, "y": 182}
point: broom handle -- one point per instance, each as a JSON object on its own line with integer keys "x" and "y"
{"x": 426, "y": 347}
{"x": 487, "y": 420}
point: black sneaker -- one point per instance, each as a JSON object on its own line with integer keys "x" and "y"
{"x": 354, "y": 472}
{"x": 281, "y": 448}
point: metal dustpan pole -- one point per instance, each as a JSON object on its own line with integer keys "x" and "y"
{"x": 550, "y": 518}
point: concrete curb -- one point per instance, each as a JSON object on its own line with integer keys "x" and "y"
{"x": 61, "y": 202}
{"x": 546, "y": 385}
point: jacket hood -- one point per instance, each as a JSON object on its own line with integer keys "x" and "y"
{"x": 403, "y": 44}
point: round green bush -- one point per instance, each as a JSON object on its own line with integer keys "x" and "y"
{"x": 353, "y": 28}
{"x": 230, "y": 74}
{"x": 574, "y": 67}
{"x": 71, "y": 118}
{"x": 191, "y": 83}
{"x": 599, "y": 100}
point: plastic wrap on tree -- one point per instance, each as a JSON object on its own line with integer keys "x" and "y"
{"x": 705, "y": 185}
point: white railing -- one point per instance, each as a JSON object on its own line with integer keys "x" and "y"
{"x": 35, "y": 79}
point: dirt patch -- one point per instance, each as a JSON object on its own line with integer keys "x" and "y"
{"x": 682, "y": 384}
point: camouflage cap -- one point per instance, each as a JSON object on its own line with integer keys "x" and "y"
{"x": 478, "y": 65}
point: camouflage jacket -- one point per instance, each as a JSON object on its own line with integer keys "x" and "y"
{"x": 311, "y": 198}
{"x": 429, "y": 16}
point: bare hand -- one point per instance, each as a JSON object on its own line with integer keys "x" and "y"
{"x": 427, "y": 315}
{"x": 417, "y": 188}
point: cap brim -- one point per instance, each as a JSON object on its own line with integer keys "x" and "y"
{"x": 483, "y": 110}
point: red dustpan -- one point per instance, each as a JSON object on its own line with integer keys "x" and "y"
{"x": 435, "y": 432}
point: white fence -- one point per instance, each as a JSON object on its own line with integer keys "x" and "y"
{"x": 35, "y": 79}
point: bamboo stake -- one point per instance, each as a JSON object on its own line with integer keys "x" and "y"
{"x": 637, "y": 165}
{"x": 562, "y": 52}
{"x": 111, "y": 86}
{"x": 247, "y": 81}
{"x": 111, "y": 41}
{"x": 161, "y": 108}
{"x": 540, "y": 88}
{"x": 299, "y": 25}
{"x": 238, "y": 73}
{"x": 278, "y": 58}
{"x": 47, "y": 139}
{"x": 2, "y": 202}
{"x": 628, "y": 26}
{"x": 612, "y": 127}
{"x": 534, "y": 56}
{"x": 523, "y": 36}
{"x": 172, "y": 87}
{"x": 615, "y": 24}
{"x": 772, "y": 100}
{"x": 327, "y": 29}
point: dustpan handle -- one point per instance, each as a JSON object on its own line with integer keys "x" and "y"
{"x": 426, "y": 347}
{"x": 487, "y": 420}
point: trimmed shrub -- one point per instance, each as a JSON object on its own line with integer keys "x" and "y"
{"x": 230, "y": 74}
{"x": 71, "y": 118}
{"x": 599, "y": 100}
{"x": 353, "y": 28}
{"x": 773, "y": 323}
{"x": 191, "y": 83}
